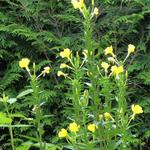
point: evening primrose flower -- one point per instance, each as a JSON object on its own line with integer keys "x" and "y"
{"x": 92, "y": 127}
{"x": 73, "y": 127}
{"x": 60, "y": 73}
{"x": 109, "y": 50}
{"x": 63, "y": 65}
{"x": 96, "y": 11}
{"x": 62, "y": 133}
{"x": 107, "y": 116}
{"x": 105, "y": 66}
{"x": 66, "y": 53}
{"x": 131, "y": 49}
{"x": 24, "y": 63}
{"x": 46, "y": 70}
{"x": 77, "y": 4}
{"x": 136, "y": 109}
{"x": 116, "y": 70}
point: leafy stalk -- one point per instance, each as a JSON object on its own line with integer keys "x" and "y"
{"x": 10, "y": 127}
{"x": 34, "y": 84}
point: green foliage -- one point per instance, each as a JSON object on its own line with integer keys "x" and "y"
{"x": 4, "y": 119}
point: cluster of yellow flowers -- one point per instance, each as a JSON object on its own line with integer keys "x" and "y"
{"x": 136, "y": 109}
{"x": 24, "y": 63}
{"x": 80, "y": 4}
{"x": 118, "y": 68}
{"x": 73, "y": 127}
{"x": 66, "y": 53}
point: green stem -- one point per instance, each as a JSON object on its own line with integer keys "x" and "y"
{"x": 35, "y": 87}
{"x": 76, "y": 95}
{"x": 10, "y": 128}
{"x": 122, "y": 107}
{"x": 38, "y": 119}
{"x": 88, "y": 28}
{"x": 11, "y": 136}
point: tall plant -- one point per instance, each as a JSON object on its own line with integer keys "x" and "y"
{"x": 100, "y": 117}
{"x": 34, "y": 82}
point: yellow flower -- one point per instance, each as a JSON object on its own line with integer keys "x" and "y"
{"x": 46, "y": 70}
{"x": 107, "y": 116}
{"x": 63, "y": 65}
{"x": 109, "y": 50}
{"x": 73, "y": 127}
{"x": 137, "y": 109}
{"x": 113, "y": 69}
{"x": 77, "y": 4}
{"x": 105, "y": 66}
{"x": 131, "y": 49}
{"x": 116, "y": 70}
{"x": 24, "y": 63}
{"x": 65, "y": 53}
{"x": 96, "y": 11}
{"x": 60, "y": 73}
{"x": 62, "y": 133}
{"x": 92, "y": 127}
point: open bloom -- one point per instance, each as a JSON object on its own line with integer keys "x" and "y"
{"x": 109, "y": 50}
{"x": 62, "y": 133}
{"x": 107, "y": 116}
{"x": 131, "y": 49}
{"x": 92, "y": 127}
{"x": 73, "y": 127}
{"x": 105, "y": 66}
{"x": 116, "y": 70}
{"x": 46, "y": 70}
{"x": 24, "y": 63}
{"x": 77, "y": 4}
{"x": 136, "y": 109}
{"x": 66, "y": 53}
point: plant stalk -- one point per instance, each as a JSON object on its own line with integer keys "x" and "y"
{"x": 10, "y": 128}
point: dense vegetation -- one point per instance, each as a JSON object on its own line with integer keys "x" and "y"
{"x": 40, "y": 30}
